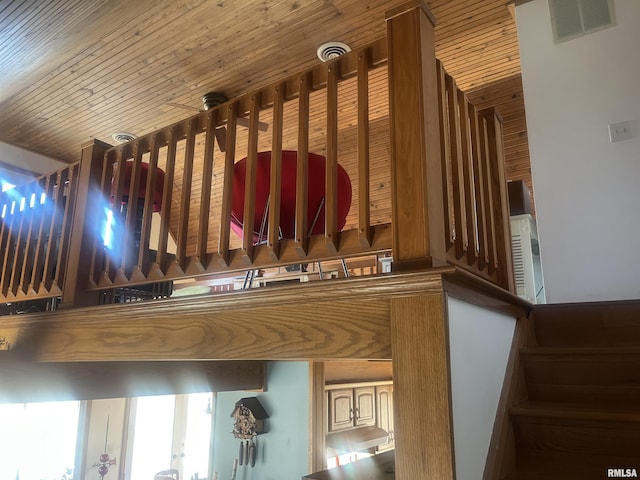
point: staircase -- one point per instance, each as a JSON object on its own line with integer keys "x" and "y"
{"x": 580, "y": 415}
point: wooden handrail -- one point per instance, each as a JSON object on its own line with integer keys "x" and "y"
{"x": 449, "y": 200}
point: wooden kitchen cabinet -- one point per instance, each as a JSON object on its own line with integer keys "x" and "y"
{"x": 384, "y": 414}
{"x": 351, "y": 407}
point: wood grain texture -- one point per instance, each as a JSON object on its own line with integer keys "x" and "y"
{"x": 342, "y": 319}
{"x": 418, "y": 227}
{"x": 419, "y": 338}
{"x": 35, "y": 382}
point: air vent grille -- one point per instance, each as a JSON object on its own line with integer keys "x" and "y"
{"x": 123, "y": 137}
{"x": 574, "y": 18}
{"x": 331, "y": 50}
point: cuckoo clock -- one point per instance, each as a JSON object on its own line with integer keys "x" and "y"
{"x": 249, "y": 421}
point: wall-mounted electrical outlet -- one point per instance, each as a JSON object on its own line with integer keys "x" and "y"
{"x": 620, "y": 131}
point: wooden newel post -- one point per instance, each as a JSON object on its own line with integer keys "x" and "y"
{"x": 422, "y": 397}
{"x": 492, "y": 121}
{"x": 417, "y": 205}
{"x": 84, "y": 226}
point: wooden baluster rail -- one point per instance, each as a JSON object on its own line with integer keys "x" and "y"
{"x": 227, "y": 184}
{"x": 445, "y": 152}
{"x": 275, "y": 176}
{"x": 499, "y": 200}
{"x": 250, "y": 182}
{"x": 26, "y": 216}
{"x": 302, "y": 170}
{"x": 57, "y": 206}
{"x": 331, "y": 169}
{"x": 199, "y": 263}
{"x": 479, "y": 187}
{"x": 162, "y": 261}
{"x": 131, "y": 216}
{"x": 185, "y": 199}
{"x": 37, "y": 273}
{"x": 364, "y": 214}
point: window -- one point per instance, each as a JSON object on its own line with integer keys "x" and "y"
{"x": 574, "y": 18}
{"x": 38, "y": 440}
{"x": 170, "y": 432}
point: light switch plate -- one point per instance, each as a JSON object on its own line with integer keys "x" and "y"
{"x": 620, "y": 131}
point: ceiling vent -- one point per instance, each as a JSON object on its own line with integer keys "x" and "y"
{"x": 574, "y": 18}
{"x": 331, "y": 50}
{"x": 123, "y": 137}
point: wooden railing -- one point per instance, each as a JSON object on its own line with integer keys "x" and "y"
{"x": 197, "y": 158}
{"x": 473, "y": 175}
{"x": 159, "y": 208}
{"x": 34, "y": 236}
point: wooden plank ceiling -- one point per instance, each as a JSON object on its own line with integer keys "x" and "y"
{"x": 73, "y": 70}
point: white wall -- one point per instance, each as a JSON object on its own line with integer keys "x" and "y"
{"x": 283, "y": 452}
{"x": 25, "y": 160}
{"x": 587, "y": 189}
{"x": 479, "y": 343}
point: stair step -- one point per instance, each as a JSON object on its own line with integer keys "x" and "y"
{"x": 589, "y": 324}
{"x": 582, "y": 366}
{"x": 617, "y": 396}
{"x": 533, "y": 465}
{"x": 576, "y": 431}
{"x": 574, "y": 412}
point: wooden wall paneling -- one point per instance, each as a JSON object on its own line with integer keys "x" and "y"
{"x": 302, "y": 169}
{"x": 461, "y": 240}
{"x": 419, "y": 337}
{"x": 275, "y": 177}
{"x": 331, "y": 170}
{"x": 468, "y": 179}
{"x": 418, "y": 227}
{"x": 250, "y": 181}
{"x": 227, "y": 184}
{"x": 364, "y": 214}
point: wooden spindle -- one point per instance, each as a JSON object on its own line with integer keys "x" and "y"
{"x": 68, "y": 224}
{"x": 457, "y": 177}
{"x": 467, "y": 173}
{"x": 250, "y": 182}
{"x": 142, "y": 266}
{"x": 131, "y": 215}
{"x": 57, "y": 203}
{"x": 479, "y": 187}
{"x": 36, "y": 213}
{"x": 275, "y": 176}
{"x": 202, "y": 240}
{"x": 185, "y": 198}
{"x": 227, "y": 184}
{"x": 331, "y": 171}
{"x": 45, "y": 220}
{"x": 96, "y": 267}
{"x": 488, "y": 194}
{"x": 445, "y": 153}
{"x": 12, "y": 223}
{"x": 167, "y": 198}
{"x": 20, "y": 240}
{"x": 500, "y": 199}
{"x": 302, "y": 168}
{"x": 364, "y": 214}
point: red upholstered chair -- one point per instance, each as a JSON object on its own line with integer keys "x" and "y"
{"x": 315, "y": 201}
{"x": 142, "y": 184}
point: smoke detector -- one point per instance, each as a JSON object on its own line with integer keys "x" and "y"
{"x": 123, "y": 137}
{"x": 329, "y": 51}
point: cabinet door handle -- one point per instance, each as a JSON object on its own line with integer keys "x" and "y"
{"x": 351, "y": 417}
{"x": 357, "y": 413}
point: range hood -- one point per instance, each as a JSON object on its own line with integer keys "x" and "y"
{"x": 357, "y": 439}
